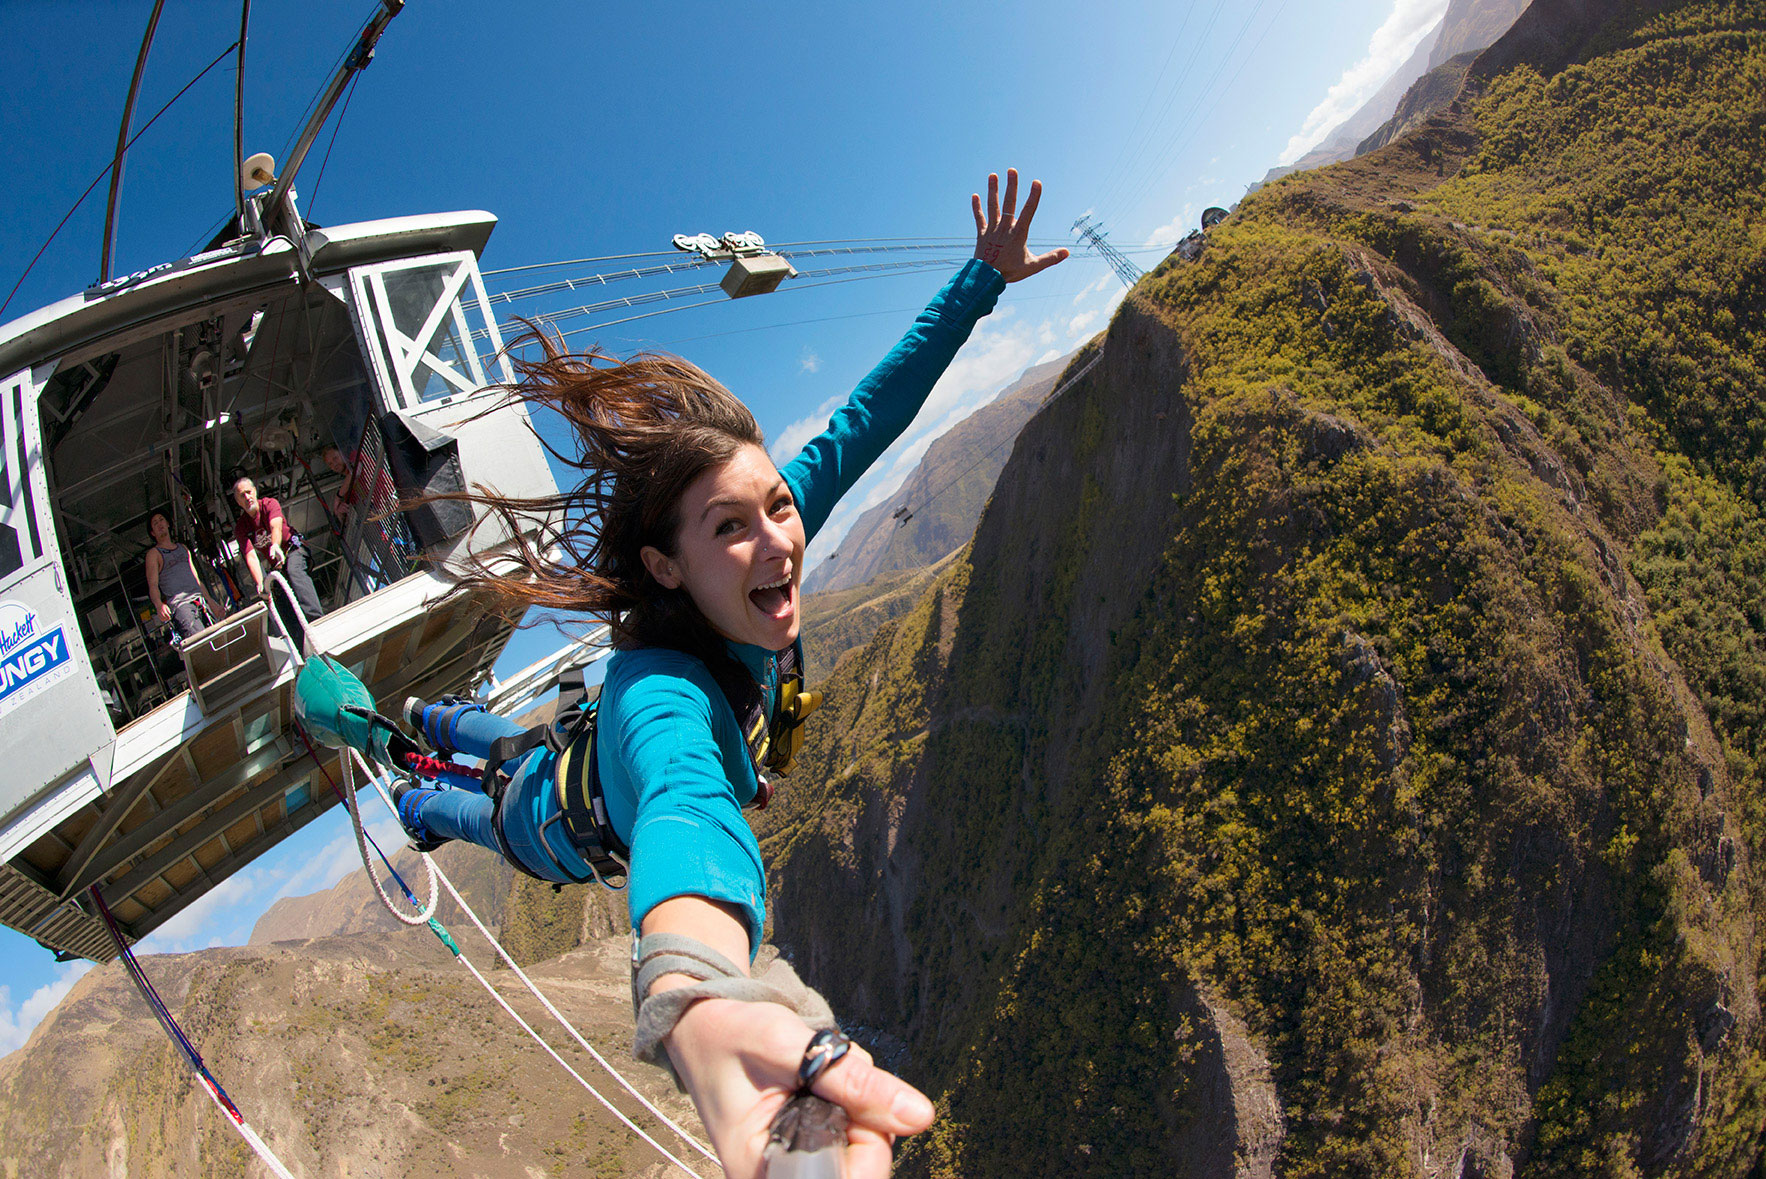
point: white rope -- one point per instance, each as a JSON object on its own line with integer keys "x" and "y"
{"x": 273, "y": 578}
{"x": 556, "y": 1014}
{"x": 349, "y": 800}
{"x": 436, "y": 873}
{"x": 568, "y": 1026}
{"x": 593, "y": 1092}
{"x": 423, "y": 918}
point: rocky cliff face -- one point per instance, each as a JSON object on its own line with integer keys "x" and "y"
{"x": 1340, "y": 750}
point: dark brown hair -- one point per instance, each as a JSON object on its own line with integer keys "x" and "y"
{"x": 646, "y": 428}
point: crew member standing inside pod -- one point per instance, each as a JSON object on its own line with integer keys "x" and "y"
{"x": 687, "y": 540}
{"x": 268, "y": 544}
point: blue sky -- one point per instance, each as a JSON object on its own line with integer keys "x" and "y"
{"x": 602, "y": 130}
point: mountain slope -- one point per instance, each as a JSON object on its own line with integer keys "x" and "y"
{"x": 1340, "y": 750}
{"x": 352, "y": 906}
{"x": 837, "y": 622}
{"x": 367, "y": 1056}
{"x": 945, "y": 492}
{"x": 1466, "y": 27}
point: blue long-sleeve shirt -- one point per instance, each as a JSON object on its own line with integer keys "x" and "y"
{"x": 673, "y": 763}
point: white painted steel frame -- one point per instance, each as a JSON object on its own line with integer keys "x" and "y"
{"x": 386, "y": 343}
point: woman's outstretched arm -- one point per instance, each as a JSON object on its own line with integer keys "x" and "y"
{"x": 885, "y": 402}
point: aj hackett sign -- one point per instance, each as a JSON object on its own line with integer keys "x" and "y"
{"x": 31, "y": 657}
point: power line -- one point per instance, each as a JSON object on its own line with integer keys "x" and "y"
{"x": 928, "y": 243}
{"x": 630, "y": 301}
{"x": 1122, "y": 152}
{"x": 571, "y": 284}
{"x": 1125, "y": 270}
{"x": 922, "y": 268}
{"x": 1137, "y": 151}
{"x": 917, "y": 267}
{"x": 589, "y": 280}
{"x": 144, "y": 127}
{"x": 593, "y": 280}
{"x": 1185, "y": 130}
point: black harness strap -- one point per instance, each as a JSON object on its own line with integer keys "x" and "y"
{"x": 582, "y": 804}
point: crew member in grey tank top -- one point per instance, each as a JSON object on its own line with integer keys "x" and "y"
{"x": 172, "y": 583}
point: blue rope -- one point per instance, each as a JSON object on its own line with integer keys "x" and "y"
{"x": 160, "y": 1011}
{"x": 403, "y": 887}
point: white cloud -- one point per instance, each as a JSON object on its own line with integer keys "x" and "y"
{"x": 17, "y": 1024}
{"x": 790, "y": 440}
{"x": 1080, "y": 322}
{"x": 1103, "y": 280}
{"x": 809, "y": 362}
{"x": 340, "y": 857}
{"x": 1051, "y": 354}
{"x": 1188, "y": 218}
{"x": 1395, "y": 40}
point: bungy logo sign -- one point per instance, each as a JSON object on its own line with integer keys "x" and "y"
{"x": 31, "y": 657}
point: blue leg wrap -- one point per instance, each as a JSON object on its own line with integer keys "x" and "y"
{"x": 411, "y": 812}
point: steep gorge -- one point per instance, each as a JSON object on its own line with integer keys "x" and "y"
{"x": 1338, "y": 752}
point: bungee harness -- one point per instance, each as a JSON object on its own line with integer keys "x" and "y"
{"x": 773, "y": 744}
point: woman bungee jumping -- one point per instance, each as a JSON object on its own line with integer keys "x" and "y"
{"x": 686, "y": 540}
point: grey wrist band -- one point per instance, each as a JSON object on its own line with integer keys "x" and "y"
{"x": 666, "y": 953}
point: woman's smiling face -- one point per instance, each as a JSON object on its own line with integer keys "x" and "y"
{"x": 739, "y": 551}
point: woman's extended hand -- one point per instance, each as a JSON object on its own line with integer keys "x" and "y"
{"x": 1002, "y": 237}
{"x": 739, "y": 1061}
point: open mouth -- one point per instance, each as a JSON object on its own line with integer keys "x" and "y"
{"x": 775, "y": 600}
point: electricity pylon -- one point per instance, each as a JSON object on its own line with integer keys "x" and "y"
{"x": 1093, "y": 235}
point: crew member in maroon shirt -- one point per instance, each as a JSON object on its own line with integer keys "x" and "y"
{"x": 268, "y": 544}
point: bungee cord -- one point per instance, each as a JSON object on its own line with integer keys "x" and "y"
{"x": 357, "y": 761}
{"x": 426, "y": 916}
{"x": 150, "y": 995}
{"x": 563, "y": 1022}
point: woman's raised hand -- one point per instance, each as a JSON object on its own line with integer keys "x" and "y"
{"x": 1002, "y": 236}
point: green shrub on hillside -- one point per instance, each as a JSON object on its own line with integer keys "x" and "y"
{"x": 1403, "y": 756}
